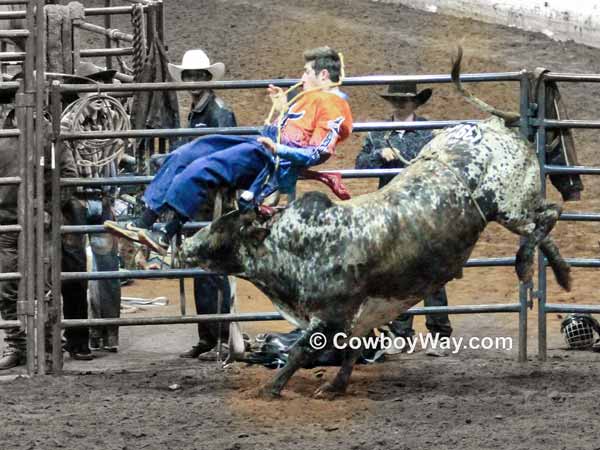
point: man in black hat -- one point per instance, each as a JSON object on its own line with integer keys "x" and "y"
{"x": 396, "y": 149}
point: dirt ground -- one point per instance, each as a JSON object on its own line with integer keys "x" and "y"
{"x": 470, "y": 400}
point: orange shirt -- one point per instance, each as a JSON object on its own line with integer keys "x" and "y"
{"x": 317, "y": 119}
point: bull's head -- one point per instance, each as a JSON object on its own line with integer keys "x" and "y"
{"x": 226, "y": 245}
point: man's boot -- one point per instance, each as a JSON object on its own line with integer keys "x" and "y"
{"x": 12, "y": 357}
{"x": 198, "y": 349}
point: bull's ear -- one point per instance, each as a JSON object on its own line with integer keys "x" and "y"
{"x": 225, "y": 222}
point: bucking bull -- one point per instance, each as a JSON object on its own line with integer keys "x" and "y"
{"x": 351, "y": 266}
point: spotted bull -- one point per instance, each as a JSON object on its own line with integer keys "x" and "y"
{"x": 350, "y": 266}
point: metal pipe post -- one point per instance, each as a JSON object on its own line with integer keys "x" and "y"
{"x": 56, "y": 237}
{"x": 29, "y": 179}
{"x": 524, "y": 290}
{"x": 541, "y": 150}
{"x": 526, "y": 132}
{"x": 107, "y": 39}
{"x": 22, "y": 202}
{"x": 39, "y": 127}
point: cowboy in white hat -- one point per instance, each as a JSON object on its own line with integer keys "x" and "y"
{"x": 196, "y": 63}
{"x": 207, "y": 110}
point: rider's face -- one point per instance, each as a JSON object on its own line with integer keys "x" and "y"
{"x": 311, "y": 79}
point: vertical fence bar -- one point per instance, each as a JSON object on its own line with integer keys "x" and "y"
{"x": 56, "y": 238}
{"x": 30, "y": 172}
{"x": 218, "y": 212}
{"x": 22, "y": 201}
{"x": 524, "y": 303}
{"x": 3, "y": 49}
{"x": 525, "y": 129}
{"x": 524, "y": 94}
{"x": 76, "y": 43}
{"x": 107, "y": 39}
{"x": 541, "y": 291}
{"x": 40, "y": 63}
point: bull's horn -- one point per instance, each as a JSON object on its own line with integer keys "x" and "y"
{"x": 478, "y": 103}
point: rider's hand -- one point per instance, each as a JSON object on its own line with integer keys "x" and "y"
{"x": 387, "y": 154}
{"x": 274, "y": 91}
{"x": 268, "y": 144}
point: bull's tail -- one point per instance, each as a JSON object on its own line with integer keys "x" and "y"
{"x": 508, "y": 117}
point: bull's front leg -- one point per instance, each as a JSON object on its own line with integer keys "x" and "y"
{"x": 301, "y": 354}
{"x": 338, "y": 386}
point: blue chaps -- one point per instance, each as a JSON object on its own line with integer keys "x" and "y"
{"x": 192, "y": 171}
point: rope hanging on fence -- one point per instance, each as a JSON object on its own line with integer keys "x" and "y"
{"x": 139, "y": 40}
{"x": 94, "y": 113}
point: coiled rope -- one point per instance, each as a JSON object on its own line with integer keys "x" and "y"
{"x": 96, "y": 112}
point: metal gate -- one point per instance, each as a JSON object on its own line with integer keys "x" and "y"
{"x": 32, "y": 289}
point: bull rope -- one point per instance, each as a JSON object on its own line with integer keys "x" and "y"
{"x": 461, "y": 181}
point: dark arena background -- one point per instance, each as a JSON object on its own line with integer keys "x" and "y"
{"x": 146, "y": 397}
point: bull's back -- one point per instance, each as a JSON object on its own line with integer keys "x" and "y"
{"x": 427, "y": 228}
{"x": 411, "y": 236}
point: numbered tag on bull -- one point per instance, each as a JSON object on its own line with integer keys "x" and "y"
{"x": 467, "y": 133}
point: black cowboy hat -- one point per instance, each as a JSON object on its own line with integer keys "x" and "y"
{"x": 406, "y": 90}
{"x": 91, "y": 71}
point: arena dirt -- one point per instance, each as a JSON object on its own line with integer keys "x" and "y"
{"x": 471, "y": 400}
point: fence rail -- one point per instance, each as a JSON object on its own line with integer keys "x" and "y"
{"x": 57, "y": 88}
{"x": 31, "y": 228}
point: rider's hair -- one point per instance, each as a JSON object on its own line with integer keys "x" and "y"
{"x": 325, "y": 58}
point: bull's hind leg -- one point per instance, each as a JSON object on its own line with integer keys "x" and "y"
{"x": 543, "y": 222}
{"x": 338, "y": 386}
{"x": 560, "y": 268}
{"x": 302, "y": 353}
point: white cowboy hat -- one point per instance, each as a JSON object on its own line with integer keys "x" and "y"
{"x": 197, "y": 60}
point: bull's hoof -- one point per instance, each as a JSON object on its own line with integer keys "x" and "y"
{"x": 525, "y": 273}
{"x": 328, "y": 391}
{"x": 268, "y": 393}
